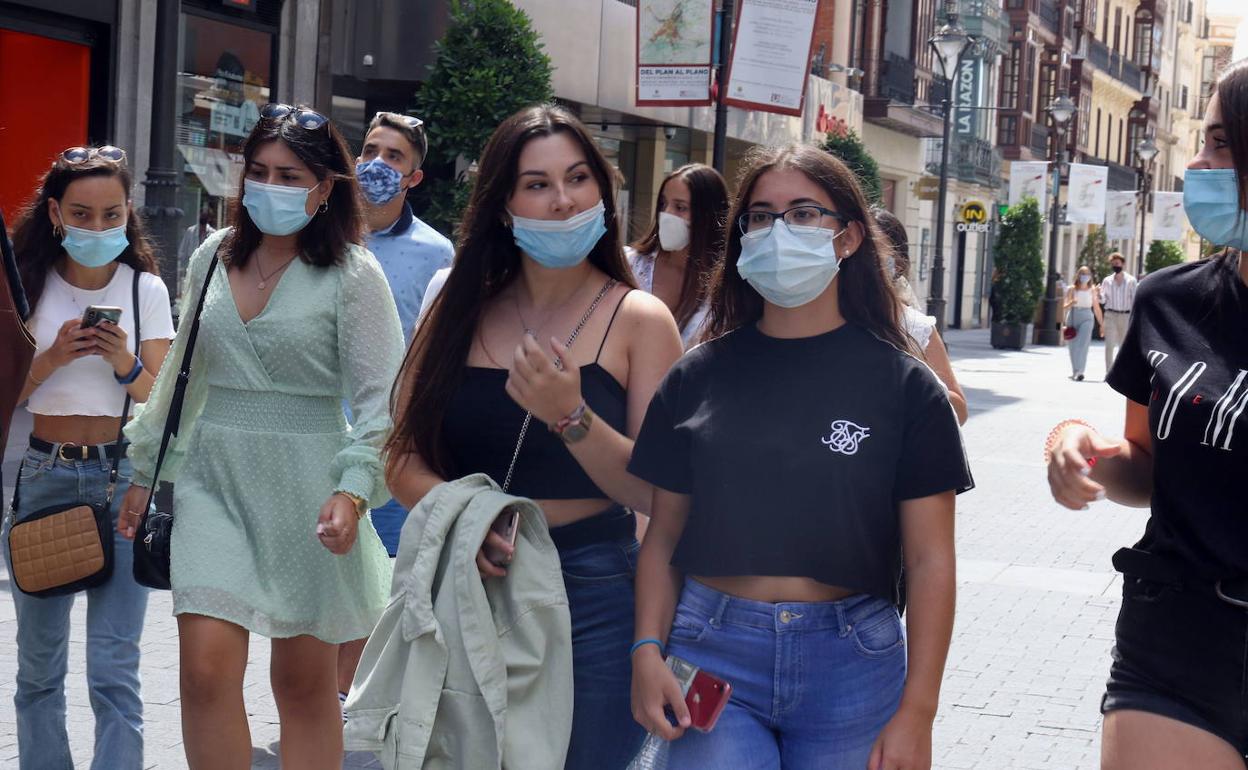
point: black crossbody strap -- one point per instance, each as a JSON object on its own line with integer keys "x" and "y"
{"x": 125, "y": 409}
{"x": 174, "y": 419}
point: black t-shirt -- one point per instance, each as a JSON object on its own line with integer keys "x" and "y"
{"x": 1185, "y": 357}
{"x": 797, "y": 453}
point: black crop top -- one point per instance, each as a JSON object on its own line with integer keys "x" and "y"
{"x": 482, "y": 423}
{"x": 797, "y": 454}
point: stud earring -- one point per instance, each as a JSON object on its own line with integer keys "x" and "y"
{"x": 324, "y": 206}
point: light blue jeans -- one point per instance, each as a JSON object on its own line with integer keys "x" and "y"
{"x": 813, "y": 684}
{"x": 1083, "y": 322}
{"x": 115, "y": 613}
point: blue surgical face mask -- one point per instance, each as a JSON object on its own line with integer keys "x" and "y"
{"x": 560, "y": 243}
{"x": 94, "y": 248}
{"x": 789, "y": 265}
{"x": 379, "y": 181}
{"x": 1211, "y": 200}
{"x": 276, "y": 209}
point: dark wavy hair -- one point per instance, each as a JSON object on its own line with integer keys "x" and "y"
{"x": 37, "y": 247}
{"x": 1232, "y": 93}
{"x": 486, "y": 262}
{"x": 708, "y": 205}
{"x": 324, "y": 152}
{"x": 866, "y": 297}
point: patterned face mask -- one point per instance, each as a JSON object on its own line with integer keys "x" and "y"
{"x": 378, "y": 181}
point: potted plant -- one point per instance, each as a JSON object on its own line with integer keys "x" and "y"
{"x": 1020, "y": 279}
{"x": 1162, "y": 254}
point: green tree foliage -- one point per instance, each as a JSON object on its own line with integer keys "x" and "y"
{"x": 850, "y": 149}
{"x": 1019, "y": 259}
{"x": 1162, "y": 254}
{"x": 1095, "y": 254}
{"x": 489, "y": 64}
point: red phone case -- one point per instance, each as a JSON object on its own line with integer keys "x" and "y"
{"x": 707, "y": 696}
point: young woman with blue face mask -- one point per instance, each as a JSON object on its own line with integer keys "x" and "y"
{"x": 269, "y": 535}
{"x": 80, "y": 244}
{"x": 793, "y": 455}
{"x": 1083, "y": 305}
{"x": 539, "y": 257}
{"x": 1175, "y": 695}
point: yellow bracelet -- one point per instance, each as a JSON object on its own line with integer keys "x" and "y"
{"x": 361, "y": 505}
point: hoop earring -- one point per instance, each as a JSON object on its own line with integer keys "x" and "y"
{"x": 57, "y": 231}
{"x": 324, "y": 206}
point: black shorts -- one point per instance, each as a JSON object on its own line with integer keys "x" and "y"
{"x": 1181, "y": 653}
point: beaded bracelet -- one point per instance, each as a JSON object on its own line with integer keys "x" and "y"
{"x": 637, "y": 645}
{"x": 1056, "y": 433}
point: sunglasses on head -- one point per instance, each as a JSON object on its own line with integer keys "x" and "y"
{"x": 308, "y": 119}
{"x": 410, "y": 121}
{"x": 84, "y": 154}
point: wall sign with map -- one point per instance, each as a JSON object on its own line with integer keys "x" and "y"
{"x": 674, "y": 40}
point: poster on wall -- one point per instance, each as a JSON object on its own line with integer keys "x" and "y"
{"x": 674, "y": 40}
{"x": 1119, "y": 214}
{"x": 1168, "y": 219}
{"x": 1085, "y": 201}
{"x": 771, "y": 55}
{"x": 1029, "y": 180}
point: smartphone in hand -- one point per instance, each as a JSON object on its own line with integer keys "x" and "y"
{"x": 95, "y": 314}
{"x": 705, "y": 694}
{"x": 507, "y": 525}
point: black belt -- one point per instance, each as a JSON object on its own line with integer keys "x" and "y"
{"x": 1163, "y": 569}
{"x": 615, "y": 523}
{"x": 71, "y": 452}
{"x": 1107, "y": 310}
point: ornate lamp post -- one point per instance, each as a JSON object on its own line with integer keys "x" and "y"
{"x": 1061, "y": 110}
{"x": 1146, "y": 151}
{"x": 949, "y": 43}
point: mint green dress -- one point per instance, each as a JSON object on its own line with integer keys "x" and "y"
{"x": 264, "y": 443}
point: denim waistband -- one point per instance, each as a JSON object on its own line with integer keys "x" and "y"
{"x": 722, "y": 608}
{"x": 615, "y": 523}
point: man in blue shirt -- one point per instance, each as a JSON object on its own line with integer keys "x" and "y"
{"x": 410, "y": 252}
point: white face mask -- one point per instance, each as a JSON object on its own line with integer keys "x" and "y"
{"x": 673, "y": 232}
{"x": 789, "y": 266}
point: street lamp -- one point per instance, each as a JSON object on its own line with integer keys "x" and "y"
{"x": 949, "y": 43}
{"x": 1061, "y": 110}
{"x": 1146, "y": 151}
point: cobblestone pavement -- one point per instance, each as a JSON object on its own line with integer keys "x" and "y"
{"x": 1036, "y": 605}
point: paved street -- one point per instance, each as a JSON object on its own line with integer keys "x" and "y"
{"x": 1036, "y": 605}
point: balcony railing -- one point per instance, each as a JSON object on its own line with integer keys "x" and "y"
{"x": 897, "y": 79}
{"x": 970, "y": 160}
{"x": 1114, "y": 64}
{"x": 1050, "y": 16}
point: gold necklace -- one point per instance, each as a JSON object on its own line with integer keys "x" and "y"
{"x": 264, "y": 279}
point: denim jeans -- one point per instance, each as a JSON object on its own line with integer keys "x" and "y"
{"x": 813, "y": 684}
{"x": 599, "y": 582}
{"x": 388, "y": 521}
{"x": 115, "y": 613}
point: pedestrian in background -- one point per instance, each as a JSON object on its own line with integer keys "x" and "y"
{"x": 540, "y": 262}
{"x": 675, "y": 260}
{"x": 409, "y": 252}
{"x": 269, "y": 535}
{"x": 1117, "y": 297}
{"x": 1083, "y": 307}
{"x": 1175, "y": 692}
{"x": 195, "y": 235}
{"x": 920, "y": 327}
{"x": 793, "y": 455}
{"x": 81, "y": 244}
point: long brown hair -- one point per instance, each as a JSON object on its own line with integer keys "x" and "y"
{"x": 865, "y": 296}
{"x": 708, "y": 205}
{"x": 325, "y": 239}
{"x": 486, "y": 261}
{"x": 37, "y": 247}
{"x": 1232, "y": 90}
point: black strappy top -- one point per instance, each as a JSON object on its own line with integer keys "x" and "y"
{"x": 482, "y": 423}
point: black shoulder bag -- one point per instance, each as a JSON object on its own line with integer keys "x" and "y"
{"x": 151, "y": 539}
{"x": 66, "y": 548}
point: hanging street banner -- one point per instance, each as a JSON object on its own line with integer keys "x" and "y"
{"x": 1085, "y": 197}
{"x": 771, "y": 53}
{"x": 1168, "y": 219}
{"x": 1029, "y": 180}
{"x": 1120, "y": 214}
{"x": 674, "y": 40}
{"x": 966, "y": 98}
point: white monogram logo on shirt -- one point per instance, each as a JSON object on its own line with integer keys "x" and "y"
{"x": 846, "y": 436}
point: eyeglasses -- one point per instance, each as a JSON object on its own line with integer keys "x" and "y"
{"x": 411, "y": 121}
{"x": 309, "y": 119}
{"x": 760, "y": 222}
{"x": 84, "y": 154}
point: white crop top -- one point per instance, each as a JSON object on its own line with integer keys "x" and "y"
{"x": 87, "y": 386}
{"x": 1083, "y": 298}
